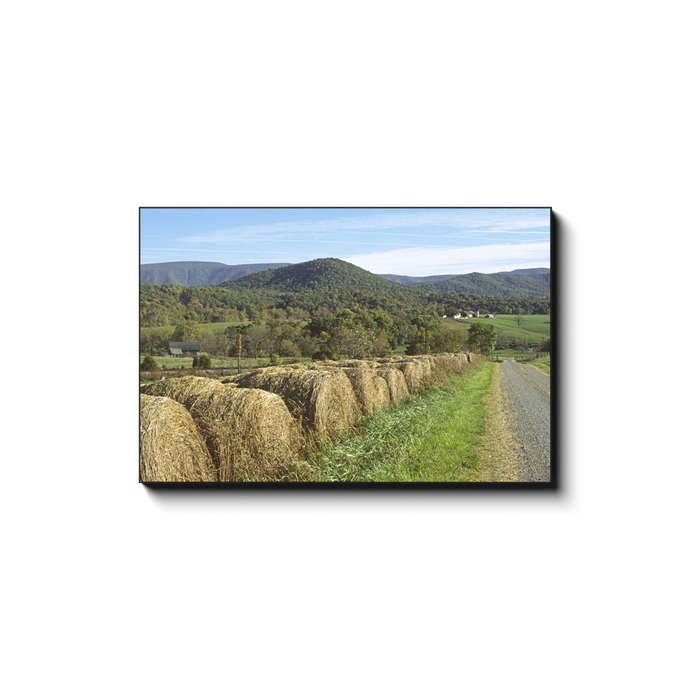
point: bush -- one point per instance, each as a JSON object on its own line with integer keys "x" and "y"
{"x": 276, "y": 361}
{"x": 201, "y": 362}
{"x": 148, "y": 363}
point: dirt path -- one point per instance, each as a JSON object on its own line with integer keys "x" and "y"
{"x": 527, "y": 411}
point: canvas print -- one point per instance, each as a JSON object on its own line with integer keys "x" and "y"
{"x": 345, "y": 346}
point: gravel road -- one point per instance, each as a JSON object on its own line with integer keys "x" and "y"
{"x": 528, "y": 408}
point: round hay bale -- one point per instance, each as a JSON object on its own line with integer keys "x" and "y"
{"x": 390, "y": 360}
{"x": 415, "y": 375}
{"x": 370, "y": 391}
{"x": 446, "y": 363}
{"x": 250, "y": 433}
{"x": 183, "y": 389}
{"x": 171, "y": 448}
{"x": 395, "y": 380}
{"x": 321, "y": 399}
{"x": 355, "y": 363}
{"x": 427, "y": 362}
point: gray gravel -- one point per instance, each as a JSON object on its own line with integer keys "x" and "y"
{"x": 528, "y": 404}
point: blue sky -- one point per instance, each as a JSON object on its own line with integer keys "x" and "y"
{"x": 414, "y": 242}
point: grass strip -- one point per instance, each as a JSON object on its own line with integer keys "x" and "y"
{"x": 543, "y": 365}
{"x": 425, "y": 438}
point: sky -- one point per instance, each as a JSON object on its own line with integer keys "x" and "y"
{"x": 402, "y": 241}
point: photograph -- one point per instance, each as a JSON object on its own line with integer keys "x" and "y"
{"x": 345, "y": 346}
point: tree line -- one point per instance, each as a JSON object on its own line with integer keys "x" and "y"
{"x": 171, "y": 305}
{"x": 355, "y": 333}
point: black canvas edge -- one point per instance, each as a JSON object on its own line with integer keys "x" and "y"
{"x": 553, "y": 485}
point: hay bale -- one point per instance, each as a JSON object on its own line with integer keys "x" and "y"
{"x": 355, "y": 363}
{"x": 171, "y": 448}
{"x": 250, "y": 433}
{"x": 395, "y": 380}
{"x": 321, "y": 399}
{"x": 447, "y": 363}
{"x": 428, "y": 367}
{"x": 415, "y": 375}
{"x": 391, "y": 360}
{"x": 370, "y": 391}
{"x": 182, "y": 389}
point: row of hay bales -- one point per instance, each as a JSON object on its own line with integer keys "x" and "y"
{"x": 254, "y": 426}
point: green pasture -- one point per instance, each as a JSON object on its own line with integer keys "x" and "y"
{"x": 222, "y": 325}
{"x": 533, "y": 328}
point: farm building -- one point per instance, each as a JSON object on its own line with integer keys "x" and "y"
{"x": 183, "y": 349}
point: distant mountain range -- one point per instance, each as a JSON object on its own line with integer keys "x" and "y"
{"x": 334, "y": 274}
{"x": 414, "y": 280}
{"x": 192, "y": 273}
{"x": 512, "y": 284}
{"x": 337, "y": 274}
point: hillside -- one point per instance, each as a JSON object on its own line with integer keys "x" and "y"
{"x": 319, "y": 274}
{"x": 328, "y": 286}
{"x": 192, "y": 273}
{"x": 512, "y": 284}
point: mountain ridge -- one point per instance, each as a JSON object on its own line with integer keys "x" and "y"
{"x": 195, "y": 273}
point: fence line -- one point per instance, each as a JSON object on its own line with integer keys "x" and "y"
{"x": 526, "y": 356}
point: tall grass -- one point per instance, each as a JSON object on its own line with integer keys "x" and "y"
{"x": 431, "y": 437}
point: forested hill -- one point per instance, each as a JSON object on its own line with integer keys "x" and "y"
{"x": 319, "y": 274}
{"x": 192, "y": 273}
{"x": 536, "y": 286}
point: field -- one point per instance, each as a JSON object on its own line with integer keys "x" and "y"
{"x": 533, "y": 329}
{"x": 543, "y": 364}
{"x": 284, "y": 423}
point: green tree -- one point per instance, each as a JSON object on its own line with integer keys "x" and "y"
{"x": 148, "y": 363}
{"x": 449, "y": 340}
{"x": 481, "y": 337}
{"x": 202, "y": 362}
{"x": 187, "y": 332}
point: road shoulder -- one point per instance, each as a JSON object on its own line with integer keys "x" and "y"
{"x": 499, "y": 454}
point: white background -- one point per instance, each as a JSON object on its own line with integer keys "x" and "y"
{"x": 107, "y": 584}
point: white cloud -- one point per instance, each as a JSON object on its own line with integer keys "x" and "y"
{"x": 423, "y": 261}
{"x": 466, "y": 220}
